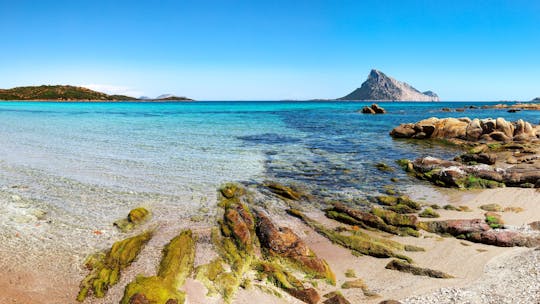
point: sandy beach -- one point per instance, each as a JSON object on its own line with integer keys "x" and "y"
{"x": 45, "y": 277}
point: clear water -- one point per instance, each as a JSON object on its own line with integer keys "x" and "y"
{"x": 172, "y": 148}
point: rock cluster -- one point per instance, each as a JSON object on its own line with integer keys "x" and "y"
{"x": 468, "y": 130}
{"x": 455, "y": 174}
{"x": 373, "y": 109}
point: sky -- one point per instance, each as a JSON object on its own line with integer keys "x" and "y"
{"x": 272, "y": 50}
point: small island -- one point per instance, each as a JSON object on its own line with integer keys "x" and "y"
{"x": 72, "y": 93}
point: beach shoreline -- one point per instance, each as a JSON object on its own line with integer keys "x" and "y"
{"x": 58, "y": 282}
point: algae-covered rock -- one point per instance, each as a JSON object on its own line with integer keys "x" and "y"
{"x": 407, "y": 267}
{"x": 393, "y": 218}
{"x": 284, "y": 243}
{"x": 235, "y": 243}
{"x": 429, "y": 213}
{"x": 358, "y": 242}
{"x": 135, "y": 217}
{"x": 364, "y": 219}
{"x": 286, "y": 281}
{"x": 494, "y": 220}
{"x": 284, "y": 191}
{"x": 402, "y": 202}
{"x": 231, "y": 190}
{"x": 492, "y": 207}
{"x": 176, "y": 265}
{"x": 105, "y": 267}
{"x": 359, "y": 283}
{"x": 384, "y": 167}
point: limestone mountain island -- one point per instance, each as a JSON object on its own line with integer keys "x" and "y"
{"x": 70, "y": 93}
{"x": 381, "y": 87}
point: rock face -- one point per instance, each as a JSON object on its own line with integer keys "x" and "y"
{"x": 468, "y": 130}
{"x": 379, "y": 86}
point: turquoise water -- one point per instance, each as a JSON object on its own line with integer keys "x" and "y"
{"x": 172, "y": 148}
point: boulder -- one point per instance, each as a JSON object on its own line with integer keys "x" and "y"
{"x": 468, "y": 130}
{"x": 283, "y": 242}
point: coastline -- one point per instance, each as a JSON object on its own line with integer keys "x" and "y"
{"x": 57, "y": 282}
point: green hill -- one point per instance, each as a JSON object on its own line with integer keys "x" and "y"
{"x": 173, "y": 98}
{"x": 59, "y": 93}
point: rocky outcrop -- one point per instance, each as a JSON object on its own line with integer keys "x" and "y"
{"x": 517, "y": 106}
{"x": 465, "y": 129}
{"x": 455, "y": 174}
{"x": 373, "y": 109}
{"x": 478, "y": 231}
{"x": 284, "y": 243}
{"x": 379, "y": 86}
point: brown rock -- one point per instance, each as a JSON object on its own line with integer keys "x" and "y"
{"x": 308, "y": 295}
{"x": 337, "y": 299}
{"x": 503, "y": 238}
{"x": 138, "y": 298}
{"x": 390, "y": 302}
{"x": 367, "y": 110}
{"x": 455, "y": 227}
{"x": 285, "y": 243}
{"x": 535, "y": 225}
{"x": 378, "y": 110}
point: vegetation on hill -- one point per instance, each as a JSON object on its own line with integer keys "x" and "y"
{"x": 173, "y": 98}
{"x": 58, "y": 92}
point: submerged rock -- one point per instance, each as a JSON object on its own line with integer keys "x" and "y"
{"x": 135, "y": 217}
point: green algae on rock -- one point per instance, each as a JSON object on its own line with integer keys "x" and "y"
{"x": 105, "y": 267}
{"x": 358, "y": 242}
{"x": 176, "y": 265}
{"x": 135, "y": 217}
{"x": 286, "y": 281}
{"x": 380, "y": 219}
{"x": 492, "y": 207}
{"x": 235, "y": 241}
{"x": 407, "y": 267}
{"x": 284, "y": 191}
{"x": 429, "y": 213}
{"x": 494, "y": 220}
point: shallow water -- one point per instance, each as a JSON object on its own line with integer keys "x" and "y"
{"x": 171, "y": 148}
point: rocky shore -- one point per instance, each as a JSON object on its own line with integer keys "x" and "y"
{"x": 282, "y": 242}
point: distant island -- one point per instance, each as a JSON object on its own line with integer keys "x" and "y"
{"x": 72, "y": 93}
{"x": 381, "y": 87}
{"x": 536, "y": 99}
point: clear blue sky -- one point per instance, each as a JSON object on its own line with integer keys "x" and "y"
{"x": 211, "y": 50}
